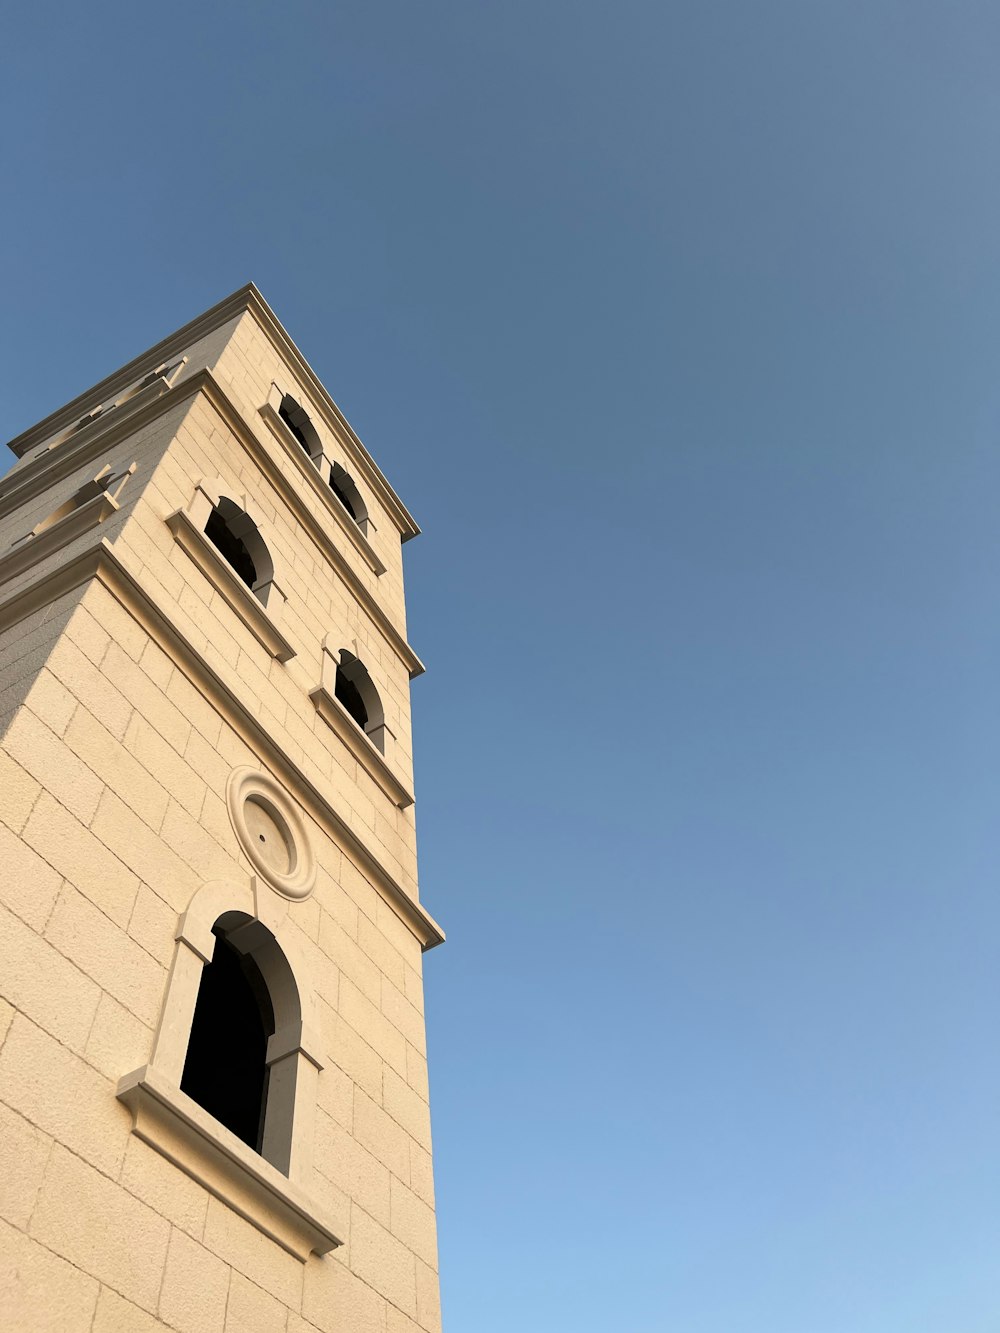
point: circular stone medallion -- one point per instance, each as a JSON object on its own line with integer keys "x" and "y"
{"x": 271, "y": 832}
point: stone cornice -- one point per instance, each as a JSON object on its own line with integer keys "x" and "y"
{"x": 31, "y": 550}
{"x": 335, "y": 716}
{"x": 106, "y": 432}
{"x": 322, "y": 491}
{"x": 103, "y": 562}
{"x": 246, "y": 299}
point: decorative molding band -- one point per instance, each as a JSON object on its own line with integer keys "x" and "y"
{"x": 31, "y": 550}
{"x": 103, "y": 562}
{"x": 233, "y": 418}
{"x": 326, "y": 496}
{"x": 335, "y": 716}
{"x": 176, "y": 1126}
{"x": 246, "y": 299}
{"x": 71, "y": 455}
{"x": 217, "y": 570}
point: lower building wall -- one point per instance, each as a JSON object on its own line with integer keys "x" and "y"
{"x": 113, "y": 775}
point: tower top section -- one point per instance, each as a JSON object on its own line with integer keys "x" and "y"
{"x": 200, "y": 331}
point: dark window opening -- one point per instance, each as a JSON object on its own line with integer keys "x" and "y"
{"x": 286, "y": 417}
{"x": 342, "y": 497}
{"x": 350, "y": 696}
{"x": 225, "y": 1070}
{"x": 232, "y": 548}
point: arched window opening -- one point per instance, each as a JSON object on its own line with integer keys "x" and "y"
{"x": 353, "y": 688}
{"x": 349, "y": 496}
{"x": 225, "y": 1071}
{"x": 350, "y": 696}
{"x": 297, "y": 421}
{"x": 236, "y": 537}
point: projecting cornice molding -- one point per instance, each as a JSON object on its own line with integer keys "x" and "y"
{"x": 326, "y": 497}
{"x": 94, "y": 442}
{"x": 247, "y": 300}
{"x": 103, "y": 563}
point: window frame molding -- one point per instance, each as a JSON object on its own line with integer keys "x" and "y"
{"x": 317, "y": 470}
{"x": 380, "y": 765}
{"x": 188, "y": 528}
{"x": 278, "y": 1204}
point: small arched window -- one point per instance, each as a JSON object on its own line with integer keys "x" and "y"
{"x": 353, "y": 688}
{"x": 237, "y": 538}
{"x": 246, "y": 1012}
{"x": 349, "y": 496}
{"x": 297, "y": 420}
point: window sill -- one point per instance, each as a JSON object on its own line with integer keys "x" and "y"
{"x": 368, "y": 756}
{"x": 252, "y": 612}
{"x": 29, "y": 550}
{"x": 308, "y": 469}
{"x": 173, "y": 1124}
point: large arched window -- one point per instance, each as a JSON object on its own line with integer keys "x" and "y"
{"x": 246, "y": 996}
{"x": 226, "y": 1066}
{"x": 237, "y": 538}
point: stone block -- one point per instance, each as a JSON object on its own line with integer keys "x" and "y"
{"x": 74, "y": 851}
{"x": 195, "y": 1287}
{"x": 112, "y": 762}
{"x": 335, "y": 1300}
{"x": 117, "y": 1315}
{"x": 39, "y": 1292}
{"x": 407, "y": 1108}
{"x": 252, "y": 1310}
{"x": 50, "y": 700}
{"x": 20, "y": 792}
{"x": 24, "y": 1152}
{"x": 421, "y": 1173}
{"x": 368, "y": 1022}
{"x": 343, "y": 1160}
{"x": 384, "y": 1138}
{"x": 253, "y": 1254}
{"x": 84, "y": 680}
{"x": 52, "y": 763}
{"x": 382, "y": 1261}
{"x": 106, "y": 1232}
{"x": 413, "y": 1223}
{"x": 428, "y": 1298}
{"x": 118, "y": 1042}
{"x": 144, "y": 852}
{"x": 165, "y": 1187}
{"x": 108, "y": 955}
{"x": 43, "y": 984}
{"x": 27, "y": 886}
{"x": 62, "y": 1096}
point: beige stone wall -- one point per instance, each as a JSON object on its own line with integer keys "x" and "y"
{"x": 113, "y": 771}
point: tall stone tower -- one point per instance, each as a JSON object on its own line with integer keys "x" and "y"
{"x": 213, "y": 1085}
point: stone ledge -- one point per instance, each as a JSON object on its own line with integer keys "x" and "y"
{"x": 336, "y": 717}
{"x": 31, "y": 549}
{"x": 176, "y": 1126}
{"x": 329, "y": 501}
{"x": 252, "y": 612}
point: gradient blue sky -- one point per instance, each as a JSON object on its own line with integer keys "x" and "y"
{"x": 676, "y": 326}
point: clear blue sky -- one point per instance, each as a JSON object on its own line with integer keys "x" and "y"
{"x": 676, "y": 326}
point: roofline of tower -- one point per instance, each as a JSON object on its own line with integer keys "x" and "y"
{"x": 245, "y": 299}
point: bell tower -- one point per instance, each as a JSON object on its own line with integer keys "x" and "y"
{"x": 213, "y": 1076}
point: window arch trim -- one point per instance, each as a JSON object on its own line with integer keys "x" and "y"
{"x": 274, "y": 1197}
{"x": 317, "y": 470}
{"x": 261, "y": 608}
{"x": 375, "y": 747}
